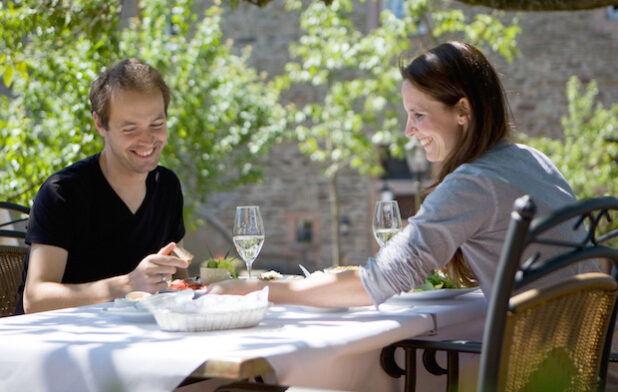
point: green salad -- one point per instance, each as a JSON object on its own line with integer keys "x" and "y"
{"x": 436, "y": 280}
{"x": 222, "y": 262}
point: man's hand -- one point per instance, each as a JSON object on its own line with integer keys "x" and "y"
{"x": 44, "y": 290}
{"x": 154, "y": 271}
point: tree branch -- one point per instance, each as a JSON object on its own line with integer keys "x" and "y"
{"x": 541, "y": 5}
{"x": 512, "y": 5}
{"x": 217, "y": 225}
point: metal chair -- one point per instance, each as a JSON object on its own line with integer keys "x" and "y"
{"x": 254, "y": 387}
{"x": 11, "y": 256}
{"x": 557, "y": 337}
{"x": 11, "y": 267}
{"x": 17, "y": 215}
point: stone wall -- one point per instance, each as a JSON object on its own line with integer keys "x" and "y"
{"x": 553, "y": 47}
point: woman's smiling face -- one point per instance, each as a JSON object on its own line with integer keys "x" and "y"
{"x": 438, "y": 127}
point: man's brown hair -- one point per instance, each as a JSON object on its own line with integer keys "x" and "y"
{"x": 127, "y": 75}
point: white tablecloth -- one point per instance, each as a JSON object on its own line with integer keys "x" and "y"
{"x": 87, "y": 349}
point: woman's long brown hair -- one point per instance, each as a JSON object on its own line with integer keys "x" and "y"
{"x": 447, "y": 73}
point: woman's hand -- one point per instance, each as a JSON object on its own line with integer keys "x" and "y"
{"x": 236, "y": 286}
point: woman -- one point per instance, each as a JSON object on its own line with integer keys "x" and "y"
{"x": 457, "y": 109}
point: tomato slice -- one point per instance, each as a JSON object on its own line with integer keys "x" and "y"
{"x": 180, "y": 284}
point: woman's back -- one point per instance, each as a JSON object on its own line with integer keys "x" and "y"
{"x": 470, "y": 210}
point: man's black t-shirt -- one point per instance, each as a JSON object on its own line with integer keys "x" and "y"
{"x": 76, "y": 209}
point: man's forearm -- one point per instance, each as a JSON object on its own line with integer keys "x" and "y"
{"x": 42, "y": 296}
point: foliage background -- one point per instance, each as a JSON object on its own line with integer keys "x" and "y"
{"x": 588, "y": 154}
{"x": 223, "y": 117}
{"x": 360, "y": 113}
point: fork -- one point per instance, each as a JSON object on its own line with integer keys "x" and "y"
{"x": 305, "y": 270}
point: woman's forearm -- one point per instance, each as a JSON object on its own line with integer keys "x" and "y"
{"x": 322, "y": 290}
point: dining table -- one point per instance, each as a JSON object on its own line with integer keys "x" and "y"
{"x": 87, "y": 348}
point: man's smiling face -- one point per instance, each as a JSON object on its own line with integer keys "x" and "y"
{"x": 136, "y": 131}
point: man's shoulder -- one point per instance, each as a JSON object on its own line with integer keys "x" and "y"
{"x": 164, "y": 176}
{"x": 65, "y": 193}
{"x": 78, "y": 174}
{"x": 77, "y": 170}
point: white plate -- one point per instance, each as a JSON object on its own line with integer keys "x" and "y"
{"x": 316, "y": 309}
{"x": 282, "y": 277}
{"x": 129, "y": 314}
{"x": 435, "y": 294}
{"x": 288, "y": 276}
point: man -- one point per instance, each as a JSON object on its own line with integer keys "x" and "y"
{"x": 107, "y": 224}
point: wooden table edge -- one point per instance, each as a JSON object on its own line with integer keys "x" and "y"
{"x": 237, "y": 369}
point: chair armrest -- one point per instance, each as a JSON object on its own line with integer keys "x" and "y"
{"x": 464, "y": 346}
{"x": 430, "y": 348}
{"x": 12, "y": 233}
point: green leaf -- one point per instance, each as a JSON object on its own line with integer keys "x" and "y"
{"x": 8, "y": 75}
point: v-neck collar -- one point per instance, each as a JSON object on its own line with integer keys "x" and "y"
{"x": 109, "y": 188}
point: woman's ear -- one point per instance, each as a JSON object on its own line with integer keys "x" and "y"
{"x": 464, "y": 112}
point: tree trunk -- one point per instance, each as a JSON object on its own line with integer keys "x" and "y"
{"x": 217, "y": 225}
{"x": 334, "y": 215}
{"x": 541, "y": 5}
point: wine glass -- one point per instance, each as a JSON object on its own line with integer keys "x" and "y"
{"x": 386, "y": 220}
{"x": 248, "y": 234}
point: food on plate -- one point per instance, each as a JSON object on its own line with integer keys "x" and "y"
{"x": 133, "y": 300}
{"x": 137, "y": 295}
{"x": 341, "y": 268}
{"x": 270, "y": 275}
{"x": 439, "y": 280}
{"x": 226, "y": 262}
{"x": 184, "y": 284}
{"x": 182, "y": 254}
{"x": 335, "y": 270}
{"x": 436, "y": 280}
{"x": 212, "y": 275}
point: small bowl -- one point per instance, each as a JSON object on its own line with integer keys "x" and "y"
{"x": 133, "y": 299}
{"x": 137, "y": 295}
{"x": 212, "y": 275}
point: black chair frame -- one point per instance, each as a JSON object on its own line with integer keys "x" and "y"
{"x": 17, "y": 208}
{"x": 513, "y": 275}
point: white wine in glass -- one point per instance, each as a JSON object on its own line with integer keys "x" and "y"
{"x": 386, "y": 221}
{"x": 248, "y": 234}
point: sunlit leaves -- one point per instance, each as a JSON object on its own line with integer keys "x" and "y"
{"x": 223, "y": 116}
{"x": 488, "y": 29}
{"x": 222, "y": 119}
{"x": 360, "y": 110}
{"x": 46, "y": 122}
{"x": 588, "y": 155}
